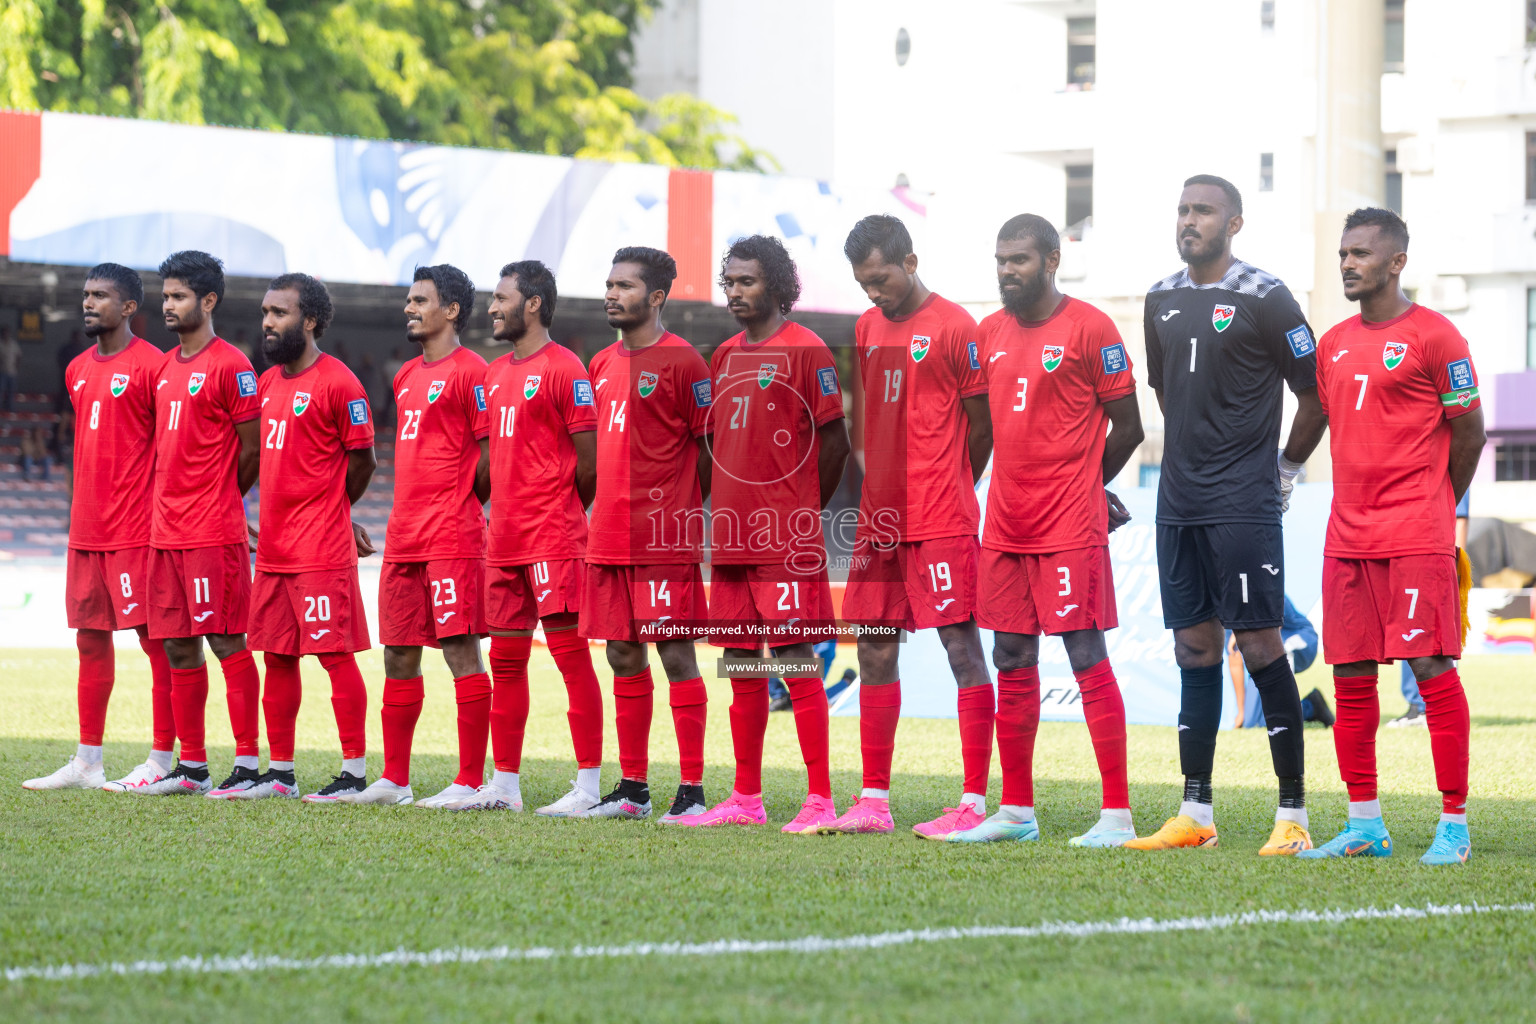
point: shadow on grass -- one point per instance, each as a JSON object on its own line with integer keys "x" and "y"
{"x": 1480, "y": 720}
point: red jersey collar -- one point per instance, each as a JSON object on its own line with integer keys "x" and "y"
{"x": 96, "y": 351}
{"x": 903, "y": 319}
{"x": 630, "y": 353}
{"x": 1383, "y": 324}
{"x": 1060, "y": 308}
{"x": 200, "y": 352}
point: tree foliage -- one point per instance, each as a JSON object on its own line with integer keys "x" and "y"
{"x": 543, "y": 76}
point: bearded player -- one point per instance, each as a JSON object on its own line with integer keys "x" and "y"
{"x": 1057, "y": 375}
{"x": 780, "y": 444}
{"x": 647, "y": 526}
{"x": 432, "y": 589}
{"x": 927, "y": 439}
{"x": 1222, "y": 338}
{"x": 206, "y": 458}
{"x": 112, "y": 391}
{"x": 316, "y": 461}
{"x": 1400, "y": 391}
{"x": 543, "y": 458}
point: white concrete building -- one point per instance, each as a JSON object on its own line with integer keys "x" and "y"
{"x": 1092, "y": 112}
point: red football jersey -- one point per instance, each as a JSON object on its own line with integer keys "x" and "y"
{"x": 114, "y": 402}
{"x": 536, "y": 404}
{"x": 651, "y": 405}
{"x": 198, "y": 403}
{"x": 917, "y": 466}
{"x": 1047, "y": 385}
{"x": 442, "y": 421}
{"x": 769, "y": 399}
{"x": 309, "y": 423}
{"x": 1390, "y": 391}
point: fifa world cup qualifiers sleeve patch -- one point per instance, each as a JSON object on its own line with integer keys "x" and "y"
{"x": 828, "y": 376}
{"x": 245, "y": 380}
{"x": 1463, "y": 389}
{"x": 358, "y": 410}
{"x": 1301, "y": 341}
{"x": 1114, "y": 358}
{"x": 480, "y": 397}
{"x": 581, "y": 391}
{"x": 702, "y": 394}
{"x": 970, "y": 350}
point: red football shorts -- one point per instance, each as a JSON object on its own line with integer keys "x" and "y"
{"x": 753, "y": 605}
{"x": 1383, "y": 609}
{"x": 106, "y": 589}
{"x": 422, "y": 602}
{"x": 916, "y": 585}
{"x": 643, "y": 603}
{"x": 199, "y": 591}
{"x": 318, "y": 612}
{"x": 518, "y": 596}
{"x": 1051, "y": 594}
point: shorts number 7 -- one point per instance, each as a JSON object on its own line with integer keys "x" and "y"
{"x": 1413, "y": 599}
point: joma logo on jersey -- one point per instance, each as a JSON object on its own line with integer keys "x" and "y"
{"x": 920, "y": 346}
{"x": 1221, "y": 317}
{"x": 119, "y": 384}
{"x": 1050, "y": 357}
{"x": 1393, "y": 353}
{"x": 531, "y": 385}
{"x": 300, "y": 402}
{"x": 765, "y": 375}
{"x": 647, "y": 383}
{"x": 195, "y": 383}
{"x": 434, "y": 390}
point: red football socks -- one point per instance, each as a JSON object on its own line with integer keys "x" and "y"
{"x": 976, "y": 714}
{"x": 509, "y": 699}
{"x": 94, "y": 686}
{"x": 749, "y": 724}
{"x": 1018, "y": 720}
{"x": 349, "y": 703}
{"x": 1104, "y": 709}
{"x": 810, "y": 701}
{"x": 879, "y": 712}
{"x": 1450, "y": 730}
{"x": 1358, "y": 716}
{"x": 402, "y": 707}
{"x": 633, "y": 700}
{"x": 280, "y": 701}
{"x": 573, "y": 657}
{"x": 189, "y": 700}
{"x": 242, "y": 692}
{"x": 690, "y": 705}
{"x": 160, "y": 691}
{"x": 473, "y": 693}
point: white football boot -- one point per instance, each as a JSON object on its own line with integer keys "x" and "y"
{"x": 76, "y": 774}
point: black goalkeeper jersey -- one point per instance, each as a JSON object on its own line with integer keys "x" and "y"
{"x": 1218, "y": 354}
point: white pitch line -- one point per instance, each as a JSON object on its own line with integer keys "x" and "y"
{"x": 250, "y": 962}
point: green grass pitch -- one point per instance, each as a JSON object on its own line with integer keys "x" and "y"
{"x": 88, "y": 878}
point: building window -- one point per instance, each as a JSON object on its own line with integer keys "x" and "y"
{"x": 1266, "y": 172}
{"x": 1514, "y": 462}
{"x": 903, "y": 46}
{"x": 1079, "y": 200}
{"x": 1394, "y": 189}
{"x": 1081, "y": 43}
{"x": 1392, "y": 51}
{"x": 1530, "y": 23}
{"x": 1530, "y": 167}
{"x": 1530, "y": 328}
{"x": 1267, "y": 15}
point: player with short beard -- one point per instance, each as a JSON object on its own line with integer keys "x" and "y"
{"x": 112, "y": 391}
{"x": 1398, "y": 379}
{"x": 432, "y": 589}
{"x": 779, "y": 444}
{"x": 316, "y": 461}
{"x": 645, "y": 536}
{"x": 1222, "y": 338}
{"x": 206, "y": 458}
{"x": 543, "y": 455}
{"x": 1058, "y": 375}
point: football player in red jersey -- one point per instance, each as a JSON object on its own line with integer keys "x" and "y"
{"x": 206, "y": 458}
{"x": 1058, "y": 374}
{"x": 543, "y": 475}
{"x": 432, "y": 589}
{"x": 112, "y": 391}
{"x": 647, "y": 527}
{"x": 780, "y": 444}
{"x": 927, "y": 439}
{"x": 1400, "y": 391}
{"x": 316, "y": 461}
